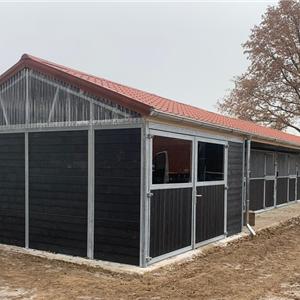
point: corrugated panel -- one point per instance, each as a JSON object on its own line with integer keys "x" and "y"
{"x": 12, "y": 189}
{"x": 171, "y": 214}
{"x": 209, "y": 212}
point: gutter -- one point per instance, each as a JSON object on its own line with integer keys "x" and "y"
{"x": 184, "y": 120}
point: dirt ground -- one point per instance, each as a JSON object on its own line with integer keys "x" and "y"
{"x": 266, "y": 267}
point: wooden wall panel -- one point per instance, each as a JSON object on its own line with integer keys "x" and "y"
{"x": 209, "y": 212}
{"x": 58, "y": 178}
{"x": 282, "y": 185}
{"x": 256, "y": 194}
{"x": 269, "y": 200}
{"x": 235, "y": 188}
{"x": 12, "y": 189}
{"x": 292, "y": 192}
{"x": 117, "y": 195}
{"x": 171, "y": 215}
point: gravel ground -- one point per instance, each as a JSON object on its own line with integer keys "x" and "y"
{"x": 266, "y": 267}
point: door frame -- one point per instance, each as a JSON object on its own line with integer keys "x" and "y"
{"x": 209, "y": 183}
{"x": 193, "y": 184}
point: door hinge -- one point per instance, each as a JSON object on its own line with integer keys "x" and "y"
{"x": 149, "y": 195}
{"x": 226, "y": 187}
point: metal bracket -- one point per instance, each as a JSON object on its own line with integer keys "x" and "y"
{"x": 149, "y": 195}
{"x": 226, "y": 146}
{"x": 149, "y": 136}
{"x": 226, "y": 187}
{"x": 148, "y": 259}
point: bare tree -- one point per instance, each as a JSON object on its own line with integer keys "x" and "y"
{"x": 269, "y": 91}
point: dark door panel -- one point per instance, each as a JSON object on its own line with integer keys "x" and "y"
{"x": 171, "y": 215}
{"x": 209, "y": 212}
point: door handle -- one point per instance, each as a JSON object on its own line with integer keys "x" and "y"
{"x": 199, "y": 196}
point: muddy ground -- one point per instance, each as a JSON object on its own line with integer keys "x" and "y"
{"x": 266, "y": 267}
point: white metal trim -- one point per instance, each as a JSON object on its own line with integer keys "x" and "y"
{"x": 210, "y": 183}
{"x": 167, "y": 186}
{"x": 193, "y": 132}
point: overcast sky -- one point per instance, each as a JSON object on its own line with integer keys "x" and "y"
{"x": 184, "y": 51}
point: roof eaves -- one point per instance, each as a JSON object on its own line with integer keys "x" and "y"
{"x": 245, "y": 134}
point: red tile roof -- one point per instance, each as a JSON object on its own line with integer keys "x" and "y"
{"x": 145, "y": 102}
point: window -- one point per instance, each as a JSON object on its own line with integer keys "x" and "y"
{"x": 171, "y": 160}
{"x": 210, "y": 162}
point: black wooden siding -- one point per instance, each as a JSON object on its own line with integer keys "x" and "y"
{"x": 282, "y": 185}
{"x": 298, "y": 188}
{"x": 170, "y": 220}
{"x": 117, "y": 195}
{"x": 235, "y": 188}
{"x": 256, "y": 194}
{"x": 209, "y": 212}
{"x": 58, "y": 178}
{"x": 12, "y": 189}
{"x": 269, "y": 198}
{"x": 292, "y": 192}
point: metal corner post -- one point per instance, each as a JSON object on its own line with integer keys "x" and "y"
{"x": 226, "y": 156}
{"x": 144, "y": 205}
{"x": 248, "y": 181}
{"x": 194, "y": 193}
{"x": 26, "y": 141}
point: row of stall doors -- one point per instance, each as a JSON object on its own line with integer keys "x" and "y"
{"x": 267, "y": 193}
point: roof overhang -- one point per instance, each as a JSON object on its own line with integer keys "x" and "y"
{"x": 245, "y": 135}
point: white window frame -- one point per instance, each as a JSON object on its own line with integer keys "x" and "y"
{"x": 161, "y": 186}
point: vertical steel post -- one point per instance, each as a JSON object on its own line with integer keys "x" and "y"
{"x": 194, "y": 192}
{"x": 91, "y": 186}
{"x": 143, "y": 214}
{"x": 26, "y": 141}
{"x": 248, "y": 181}
{"x": 226, "y": 148}
{"x": 26, "y": 190}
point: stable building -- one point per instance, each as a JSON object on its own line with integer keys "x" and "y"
{"x": 97, "y": 169}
